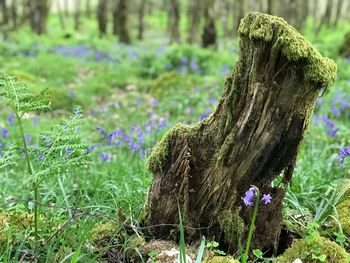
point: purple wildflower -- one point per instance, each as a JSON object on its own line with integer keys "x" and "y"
{"x": 248, "y": 199}
{"x": 266, "y": 198}
{"x": 5, "y": 133}
{"x": 11, "y": 119}
{"x": 194, "y": 66}
{"x": 331, "y": 129}
{"x": 41, "y": 156}
{"x": 35, "y": 121}
{"x": 102, "y": 132}
{"x": 72, "y": 94}
{"x": 335, "y": 111}
{"x": 90, "y": 149}
{"x": 68, "y": 151}
{"x": 343, "y": 153}
{"x": 104, "y": 157}
{"x": 27, "y": 138}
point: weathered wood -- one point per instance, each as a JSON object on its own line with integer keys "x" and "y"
{"x": 251, "y": 137}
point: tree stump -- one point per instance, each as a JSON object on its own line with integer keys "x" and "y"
{"x": 252, "y": 137}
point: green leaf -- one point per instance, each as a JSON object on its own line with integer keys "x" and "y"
{"x": 258, "y": 253}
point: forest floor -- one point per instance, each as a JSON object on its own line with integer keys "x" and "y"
{"x": 130, "y": 96}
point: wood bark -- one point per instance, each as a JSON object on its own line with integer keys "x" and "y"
{"x": 252, "y": 136}
{"x": 4, "y": 14}
{"x": 194, "y": 18}
{"x": 338, "y": 12}
{"x": 141, "y": 24}
{"x": 326, "y": 19}
{"x": 120, "y": 21}
{"x": 102, "y": 17}
{"x": 39, "y": 11}
{"x": 174, "y": 21}
{"x": 209, "y": 31}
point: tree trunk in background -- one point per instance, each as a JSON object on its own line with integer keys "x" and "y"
{"x": 141, "y": 24}
{"x": 77, "y": 15}
{"x": 4, "y": 14}
{"x": 240, "y": 8}
{"x": 270, "y": 9}
{"x": 252, "y": 136}
{"x": 61, "y": 15}
{"x": 174, "y": 21}
{"x": 66, "y": 7}
{"x": 225, "y": 14}
{"x": 302, "y": 13}
{"x": 120, "y": 21}
{"x": 338, "y": 12}
{"x": 39, "y": 11}
{"x": 326, "y": 19}
{"x": 194, "y": 19}
{"x": 209, "y": 31}
{"x": 88, "y": 8}
{"x": 102, "y": 17}
{"x": 14, "y": 14}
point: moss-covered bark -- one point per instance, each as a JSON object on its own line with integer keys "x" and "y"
{"x": 252, "y": 137}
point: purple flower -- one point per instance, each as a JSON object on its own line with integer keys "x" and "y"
{"x": 104, "y": 157}
{"x": 68, "y": 151}
{"x": 266, "y": 198}
{"x": 248, "y": 199}
{"x": 194, "y": 66}
{"x": 102, "y": 132}
{"x": 35, "y": 122}
{"x": 11, "y": 119}
{"x": 90, "y": 149}
{"x": 27, "y": 138}
{"x": 335, "y": 111}
{"x": 5, "y": 133}
{"x": 319, "y": 101}
{"x": 331, "y": 129}
{"x": 343, "y": 153}
{"x": 72, "y": 94}
{"x": 41, "y": 156}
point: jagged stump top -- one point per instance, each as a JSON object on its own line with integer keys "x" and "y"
{"x": 293, "y": 45}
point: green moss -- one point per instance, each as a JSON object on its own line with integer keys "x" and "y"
{"x": 168, "y": 83}
{"x": 14, "y": 222}
{"x": 343, "y": 210}
{"x": 293, "y": 45}
{"x": 106, "y": 233}
{"x": 219, "y": 259}
{"x": 232, "y": 225}
{"x": 308, "y": 251}
{"x": 160, "y": 152}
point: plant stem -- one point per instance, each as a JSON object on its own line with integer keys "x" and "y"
{"x": 31, "y": 172}
{"x": 251, "y": 227}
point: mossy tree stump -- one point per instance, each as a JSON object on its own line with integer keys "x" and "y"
{"x": 252, "y": 137}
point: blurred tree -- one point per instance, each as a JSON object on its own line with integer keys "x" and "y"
{"x": 88, "y": 8}
{"x": 338, "y": 12}
{"x": 326, "y": 18}
{"x": 209, "y": 31}
{"x": 194, "y": 18}
{"x": 4, "y": 14}
{"x": 77, "y": 15}
{"x": 66, "y": 7}
{"x": 141, "y": 23}
{"x": 102, "y": 17}
{"x": 120, "y": 20}
{"x": 174, "y": 20}
{"x": 225, "y": 9}
{"x": 60, "y": 15}
{"x": 270, "y": 9}
{"x": 39, "y": 11}
{"x": 14, "y": 14}
{"x": 240, "y": 8}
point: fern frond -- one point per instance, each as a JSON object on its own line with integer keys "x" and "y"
{"x": 20, "y": 98}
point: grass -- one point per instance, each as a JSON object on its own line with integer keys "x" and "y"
{"x": 115, "y": 95}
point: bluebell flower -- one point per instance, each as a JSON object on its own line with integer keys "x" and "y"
{"x": 266, "y": 198}
{"x": 90, "y": 149}
{"x": 27, "y": 138}
{"x": 194, "y": 66}
{"x": 35, "y": 122}
{"x": 4, "y": 133}
{"x": 204, "y": 115}
{"x": 105, "y": 157}
{"x": 319, "y": 101}
{"x": 68, "y": 151}
{"x": 248, "y": 199}
{"x": 41, "y": 156}
{"x": 184, "y": 60}
{"x": 11, "y": 119}
{"x": 343, "y": 153}
{"x": 335, "y": 111}
{"x": 102, "y": 132}
{"x": 331, "y": 129}
{"x": 72, "y": 94}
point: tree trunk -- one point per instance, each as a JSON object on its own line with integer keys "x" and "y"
{"x": 209, "y": 31}
{"x": 251, "y": 138}
{"x": 39, "y": 11}
{"x": 174, "y": 21}
{"x": 14, "y": 14}
{"x": 194, "y": 18}
{"x": 239, "y": 12}
{"x": 77, "y": 15}
{"x": 4, "y": 12}
{"x": 338, "y": 12}
{"x": 66, "y": 7}
{"x": 88, "y": 8}
{"x": 270, "y": 8}
{"x": 60, "y": 15}
{"x": 102, "y": 17}
{"x": 326, "y": 19}
{"x": 141, "y": 25}
{"x": 225, "y": 12}
{"x": 120, "y": 21}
